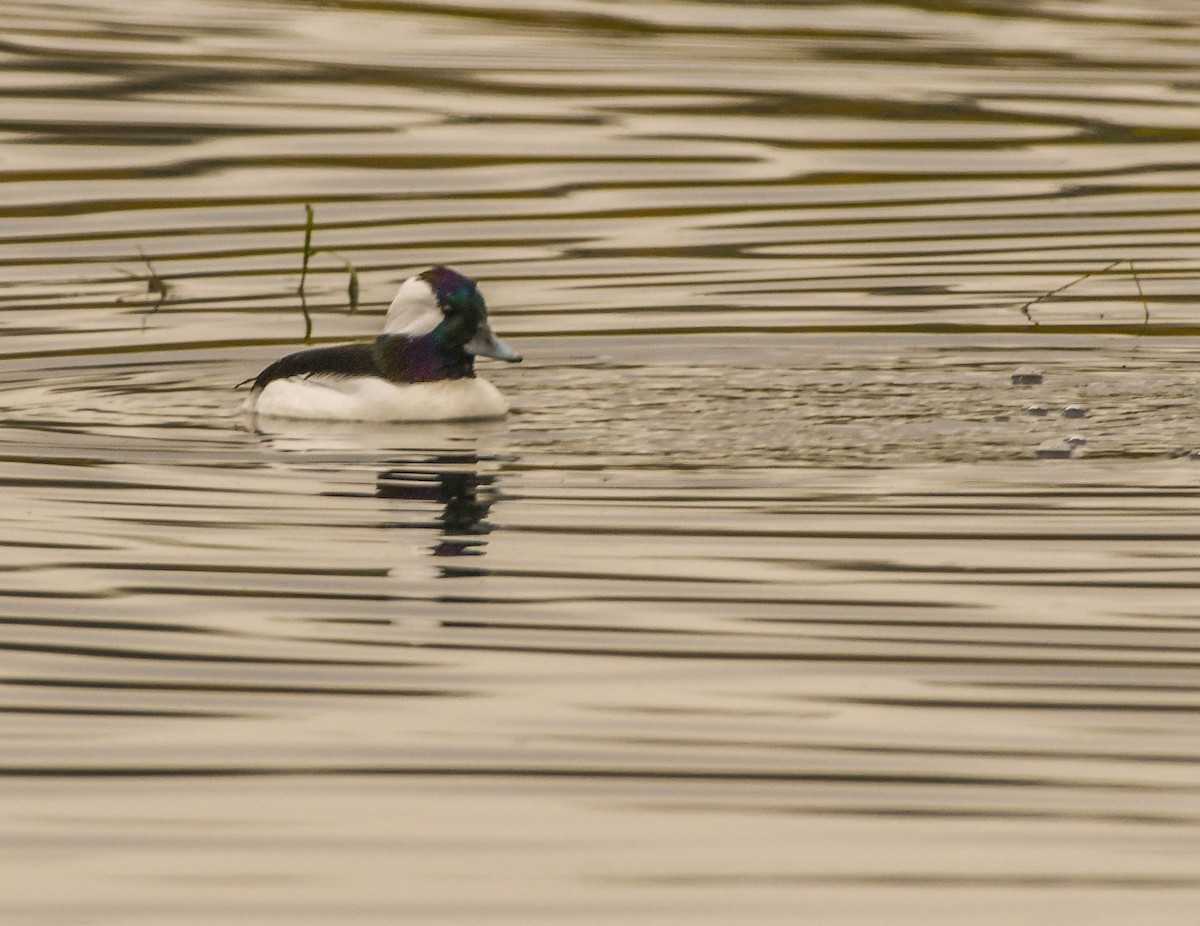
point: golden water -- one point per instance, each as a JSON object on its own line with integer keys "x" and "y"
{"x": 772, "y": 601}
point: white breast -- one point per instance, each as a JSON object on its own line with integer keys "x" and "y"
{"x": 372, "y": 399}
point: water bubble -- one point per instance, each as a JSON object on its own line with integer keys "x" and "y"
{"x": 1027, "y": 376}
{"x": 1054, "y": 450}
{"x": 1074, "y": 411}
{"x": 1036, "y": 410}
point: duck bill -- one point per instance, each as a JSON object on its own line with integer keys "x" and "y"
{"x": 486, "y": 344}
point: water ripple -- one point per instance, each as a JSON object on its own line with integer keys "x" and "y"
{"x": 774, "y": 567}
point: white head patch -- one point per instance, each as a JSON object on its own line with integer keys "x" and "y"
{"x": 414, "y": 311}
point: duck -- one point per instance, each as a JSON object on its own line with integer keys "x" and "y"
{"x": 421, "y": 368}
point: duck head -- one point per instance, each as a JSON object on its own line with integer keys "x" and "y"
{"x": 448, "y": 306}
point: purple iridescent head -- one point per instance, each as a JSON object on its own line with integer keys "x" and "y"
{"x": 447, "y": 305}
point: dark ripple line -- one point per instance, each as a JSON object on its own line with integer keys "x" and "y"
{"x": 793, "y": 656}
{"x": 224, "y": 568}
{"x": 123, "y": 653}
{"x": 1065, "y": 582}
{"x": 105, "y": 624}
{"x": 919, "y": 880}
{"x": 565, "y": 773}
{"x": 45, "y": 545}
{"x": 590, "y": 576}
{"x": 881, "y": 623}
{"x": 972, "y": 625}
{"x": 272, "y": 594}
{"x": 1089, "y": 686}
{"x": 947, "y": 813}
{"x": 724, "y": 600}
{"x": 56, "y": 595}
{"x": 996, "y": 705}
{"x": 1040, "y": 645}
{"x": 118, "y": 712}
{"x": 879, "y": 533}
{"x": 895, "y": 749}
{"x": 236, "y": 688}
{"x": 559, "y": 627}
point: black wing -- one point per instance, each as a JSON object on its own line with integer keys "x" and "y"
{"x": 342, "y": 360}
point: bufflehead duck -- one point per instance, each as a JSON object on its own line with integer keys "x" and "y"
{"x": 422, "y": 368}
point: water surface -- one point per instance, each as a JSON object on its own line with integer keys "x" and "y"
{"x": 775, "y": 599}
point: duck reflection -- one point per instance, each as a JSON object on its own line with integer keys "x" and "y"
{"x": 454, "y": 481}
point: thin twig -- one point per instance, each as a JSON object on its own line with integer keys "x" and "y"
{"x": 307, "y": 317}
{"x": 308, "y": 231}
{"x": 352, "y": 288}
{"x": 155, "y": 284}
{"x": 309, "y": 253}
{"x": 1054, "y": 292}
{"x": 1141, "y": 295}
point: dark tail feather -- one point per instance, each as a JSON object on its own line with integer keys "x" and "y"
{"x": 342, "y": 360}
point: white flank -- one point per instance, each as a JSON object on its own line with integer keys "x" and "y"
{"x": 371, "y": 399}
{"x": 414, "y": 311}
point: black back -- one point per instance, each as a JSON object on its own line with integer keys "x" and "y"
{"x": 342, "y": 360}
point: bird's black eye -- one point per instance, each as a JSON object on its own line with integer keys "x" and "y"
{"x": 465, "y": 300}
